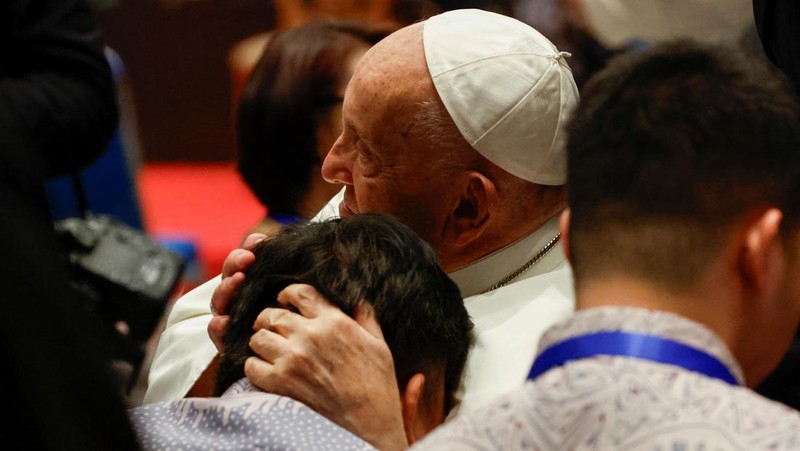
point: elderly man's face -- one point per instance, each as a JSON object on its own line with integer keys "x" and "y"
{"x": 386, "y": 164}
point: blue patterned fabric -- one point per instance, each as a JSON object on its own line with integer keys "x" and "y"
{"x": 243, "y": 418}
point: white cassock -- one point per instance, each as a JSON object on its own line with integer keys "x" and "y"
{"x": 508, "y": 321}
{"x": 614, "y": 23}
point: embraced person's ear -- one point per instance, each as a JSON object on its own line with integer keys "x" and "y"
{"x": 473, "y": 210}
{"x": 411, "y": 400}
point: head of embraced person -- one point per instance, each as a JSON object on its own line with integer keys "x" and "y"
{"x": 372, "y": 259}
{"x": 684, "y": 195}
{"x": 455, "y": 126}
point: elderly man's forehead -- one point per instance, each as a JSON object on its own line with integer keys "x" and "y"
{"x": 398, "y": 60}
{"x": 389, "y": 85}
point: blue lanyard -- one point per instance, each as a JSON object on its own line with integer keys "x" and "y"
{"x": 648, "y": 347}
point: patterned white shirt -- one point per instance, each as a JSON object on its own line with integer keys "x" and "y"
{"x": 624, "y": 403}
{"x": 243, "y": 418}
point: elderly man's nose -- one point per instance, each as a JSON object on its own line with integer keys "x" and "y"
{"x": 336, "y": 168}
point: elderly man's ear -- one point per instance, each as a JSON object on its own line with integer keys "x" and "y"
{"x": 473, "y": 210}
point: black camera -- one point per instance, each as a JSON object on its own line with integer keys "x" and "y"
{"x": 126, "y": 278}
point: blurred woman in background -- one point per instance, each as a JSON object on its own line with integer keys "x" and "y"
{"x": 290, "y": 114}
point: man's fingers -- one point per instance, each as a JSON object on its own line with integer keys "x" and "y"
{"x": 224, "y": 293}
{"x": 216, "y": 330}
{"x": 278, "y": 320}
{"x": 306, "y": 299}
{"x": 269, "y": 346}
{"x": 250, "y": 242}
{"x": 365, "y": 317}
{"x": 237, "y": 260}
{"x": 260, "y": 373}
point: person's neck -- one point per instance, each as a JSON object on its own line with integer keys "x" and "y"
{"x": 622, "y": 290}
{"x": 605, "y": 290}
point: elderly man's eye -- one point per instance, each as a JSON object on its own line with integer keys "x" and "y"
{"x": 363, "y": 154}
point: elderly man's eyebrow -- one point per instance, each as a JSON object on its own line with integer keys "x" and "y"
{"x": 349, "y": 126}
{"x": 358, "y": 134}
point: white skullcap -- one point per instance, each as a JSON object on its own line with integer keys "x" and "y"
{"x": 507, "y": 88}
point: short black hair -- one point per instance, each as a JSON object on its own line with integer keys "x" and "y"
{"x": 369, "y": 258}
{"x": 667, "y": 149}
{"x": 289, "y": 92}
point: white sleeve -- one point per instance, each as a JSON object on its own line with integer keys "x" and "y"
{"x": 184, "y": 349}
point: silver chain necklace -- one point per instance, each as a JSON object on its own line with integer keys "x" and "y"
{"x": 528, "y": 264}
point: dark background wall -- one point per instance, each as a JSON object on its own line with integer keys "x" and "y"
{"x": 175, "y": 54}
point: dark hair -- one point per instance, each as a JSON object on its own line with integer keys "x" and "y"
{"x": 290, "y": 91}
{"x": 369, "y": 258}
{"x": 668, "y": 148}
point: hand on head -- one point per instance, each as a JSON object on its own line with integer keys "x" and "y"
{"x": 311, "y": 357}
{"x": 308, "y": 356}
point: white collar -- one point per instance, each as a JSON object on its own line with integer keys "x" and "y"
{"x": 481, "y": 274}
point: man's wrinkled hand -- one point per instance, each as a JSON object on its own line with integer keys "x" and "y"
{"x": 338, "y": 366}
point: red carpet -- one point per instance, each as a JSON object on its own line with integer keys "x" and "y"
{"x": 206, "y": 203}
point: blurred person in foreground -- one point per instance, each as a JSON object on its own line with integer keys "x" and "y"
{"x": 57, "y": 114}
{"x": 368, "y": 262}
{"x": 454, "y": 125}
{"x": 683, "y": 232}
